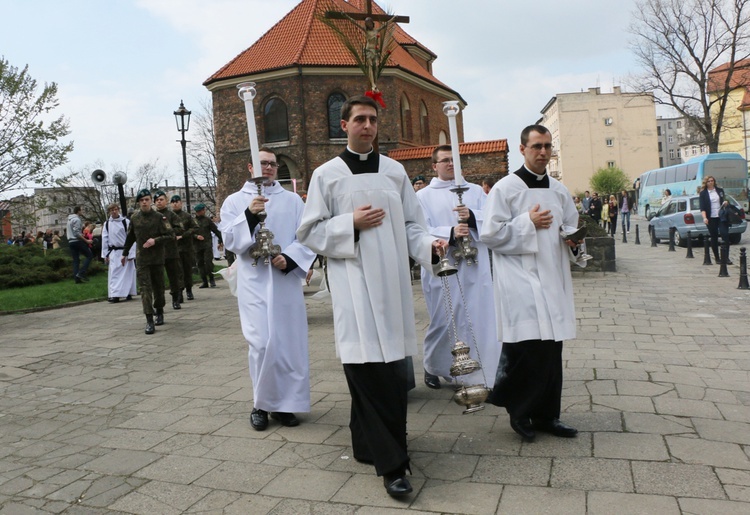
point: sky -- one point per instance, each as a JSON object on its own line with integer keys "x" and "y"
{"x": 122, "y": 66}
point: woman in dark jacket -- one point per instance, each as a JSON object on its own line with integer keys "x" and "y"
{"x": 712, "y": 199}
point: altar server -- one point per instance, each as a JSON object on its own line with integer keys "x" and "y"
{"x": 120, "y": 279}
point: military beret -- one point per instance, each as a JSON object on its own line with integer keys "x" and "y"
{"x": 418, "y": 178}
{"x": 159, "y": 193}
{"x": 175, "y": 198}
{"x": 143, "y": 193}
{"x": 199, "y": 207}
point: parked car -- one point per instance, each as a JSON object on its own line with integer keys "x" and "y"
{"x": 684, "y": 214}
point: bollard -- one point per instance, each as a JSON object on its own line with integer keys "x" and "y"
{"x": 624, "y": 235}
{"x": 637, "y": 238}
{"x": 689, "y": 247}
{"x": 652, "y": 233}
{"x": 671, "y": 239}
{"x": 724, "y": 258}
{"x": 706, "y": 251}
{"x": 743, "y": 271}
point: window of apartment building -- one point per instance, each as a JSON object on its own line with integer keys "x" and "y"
{"x": 671, "y": 153}
{"x": 608, "y": 121}
{"x": 670, "y": 139}
{"x": 661, "y": 162}
{"x": 610, "y": 142}
{"x": 703, "y": 149}
{"x": 680, "y": 138}
{"x": 658, "y": 130}
{"x": 610, "y": 164}
{"x": 669, "y": 125}
{"x": 660, "y": 150}
{"x": 679, "y": 152}
{"x": 679, "y": 124}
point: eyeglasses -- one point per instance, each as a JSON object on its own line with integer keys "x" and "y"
{"x": 270, "y": 164}
{"x": 445, "y": 160}
{"x": 540, "y": 146}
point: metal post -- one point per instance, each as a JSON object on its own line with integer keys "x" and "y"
{"x": 743, "y": 270}
{"x": 689, "y": 247}
{"x": 706, "y": 251}
{"x": 724, "y": 256}
{"x": 652, "y": 233}
{"x": 184, "y": 165}
{"x": 637, "y": 236}
{"x": 624, "y": 235}
{"x": 671, "y": 239}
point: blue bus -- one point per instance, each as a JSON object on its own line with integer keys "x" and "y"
{"x": 729, "y": 169}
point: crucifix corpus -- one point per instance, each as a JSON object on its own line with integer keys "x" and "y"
{"x": 371, "y": 54}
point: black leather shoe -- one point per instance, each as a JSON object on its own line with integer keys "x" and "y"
{"x": 176, "y": 305}
{"x": 286, "y": 419}
{"x": 523, "y": 428}
{"x": 556, "y": 428}
{"x": 150, "y": 324}
{"x": 159, "y": 319}
{"x": 190, "y": 294}
{"x": 212, "y": 282}
{"x": 204, "y": 285}
{"x": 113, "y": 300}
{"x": 129, "y": 297}
{"x": 180, "y": 298}
{"x": 259, "y": 419}
{"x": 397, "y": 487}
{"x": 432, "y": 381}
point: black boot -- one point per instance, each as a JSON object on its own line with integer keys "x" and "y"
{"x": 176, "y": 301}
{"x": 190, "y": 294}
{"x": 160, "y": 317}
{"x": 211, "y": 281}
{"x": 150, "y": 329}
{"x": 180, "y": 298}
{"x": 205, "y": 282}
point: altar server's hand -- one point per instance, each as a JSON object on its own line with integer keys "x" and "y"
{"x": 463, "y": 212}
{"x": 366, "y": 217}
{"x": 461, "y": 230}
{"x": 123, "y": 260}
{"x": 541, "y": 219}
{"x": 279, "y": 262}
{"x": 257, "y": 205}
{"x": 309, "y": 276}
{"x": 439, "y": 247}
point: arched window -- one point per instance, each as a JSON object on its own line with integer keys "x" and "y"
{"x": 275, "y": 121}
{"x": 424, "y": 123}
{"x": 406, "y": 131}
{"x": 335, "y": 101}
{"x": 442, "y": 138}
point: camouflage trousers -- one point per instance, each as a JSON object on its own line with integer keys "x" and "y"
{"x": 151, "y": 285}
{"x": 187, "y": 259}
{"x": 173, "y": 266}
{"x": 205, "y": 257}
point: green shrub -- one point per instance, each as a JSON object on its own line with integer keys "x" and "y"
{"x": 30, "y": 265}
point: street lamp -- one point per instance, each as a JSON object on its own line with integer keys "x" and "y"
{"x": 182, "y": 117}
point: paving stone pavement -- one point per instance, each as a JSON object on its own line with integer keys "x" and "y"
{"x": 97, "y": 417}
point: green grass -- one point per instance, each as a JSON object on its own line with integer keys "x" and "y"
{"x": 54, "y": 294}
{"x": 61, "y": 293}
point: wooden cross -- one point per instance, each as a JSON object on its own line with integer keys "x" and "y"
{"x": 338, "y": 15}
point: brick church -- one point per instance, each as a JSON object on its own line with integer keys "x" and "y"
{"x": 303, "y": 74}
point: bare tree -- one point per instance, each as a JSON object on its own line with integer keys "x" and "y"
{"x": 678, "y": 42}
{"x": 202, "y": 152}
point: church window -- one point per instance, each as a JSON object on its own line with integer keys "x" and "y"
{"x": 442, "y": 138}
{"x": 335, "y": 101}
{"x": 275, "y": 122}
{"x": 406, "y": 131}
{"x": 424, "y": 123}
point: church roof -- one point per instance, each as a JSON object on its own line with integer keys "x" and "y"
{"x": 473, "y": 147}
{"x": 301, "y": 39}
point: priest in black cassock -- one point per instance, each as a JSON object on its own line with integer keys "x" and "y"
{"x": 523, "y": 216}
{"x": 363, "y": 215}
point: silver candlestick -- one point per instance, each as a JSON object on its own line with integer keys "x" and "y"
{"x": 464, "y": 250}
{"x": 263, "y": 246}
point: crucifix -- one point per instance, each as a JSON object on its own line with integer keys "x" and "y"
{"x": 373, "y": 59}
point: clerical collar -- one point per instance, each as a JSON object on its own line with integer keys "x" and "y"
{"x": 533, "y": 180}
{"x": 362, "y": 157}
{"x": 361, "y": 163}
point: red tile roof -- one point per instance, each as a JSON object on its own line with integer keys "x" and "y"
{"x": 301, "y": 39}
{"x": 740, "y": 76}
{"x": 473, "y": 147}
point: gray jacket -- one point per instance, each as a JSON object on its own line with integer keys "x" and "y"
{"x": 75, "y": 227}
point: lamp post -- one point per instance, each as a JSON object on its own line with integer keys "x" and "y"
{"x": 182, "y": 117}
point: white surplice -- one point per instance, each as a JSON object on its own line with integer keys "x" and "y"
{"x": 533, "y": 283}
{"x": 438, "y": 201}
{"x": 271, "y": 303}
{"x": 370, "y": 280}
{"x": 120, "y": 279}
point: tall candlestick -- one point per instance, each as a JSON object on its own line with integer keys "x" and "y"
{"x": 247, "y": 94}
{"x": 451, "y": 110}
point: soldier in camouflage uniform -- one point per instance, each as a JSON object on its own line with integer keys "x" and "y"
{"x": 203, "y": 245}
{"x": 172, "y": 263}
{"x": 185, "y": 245}
{"x": 149, "y": 230}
